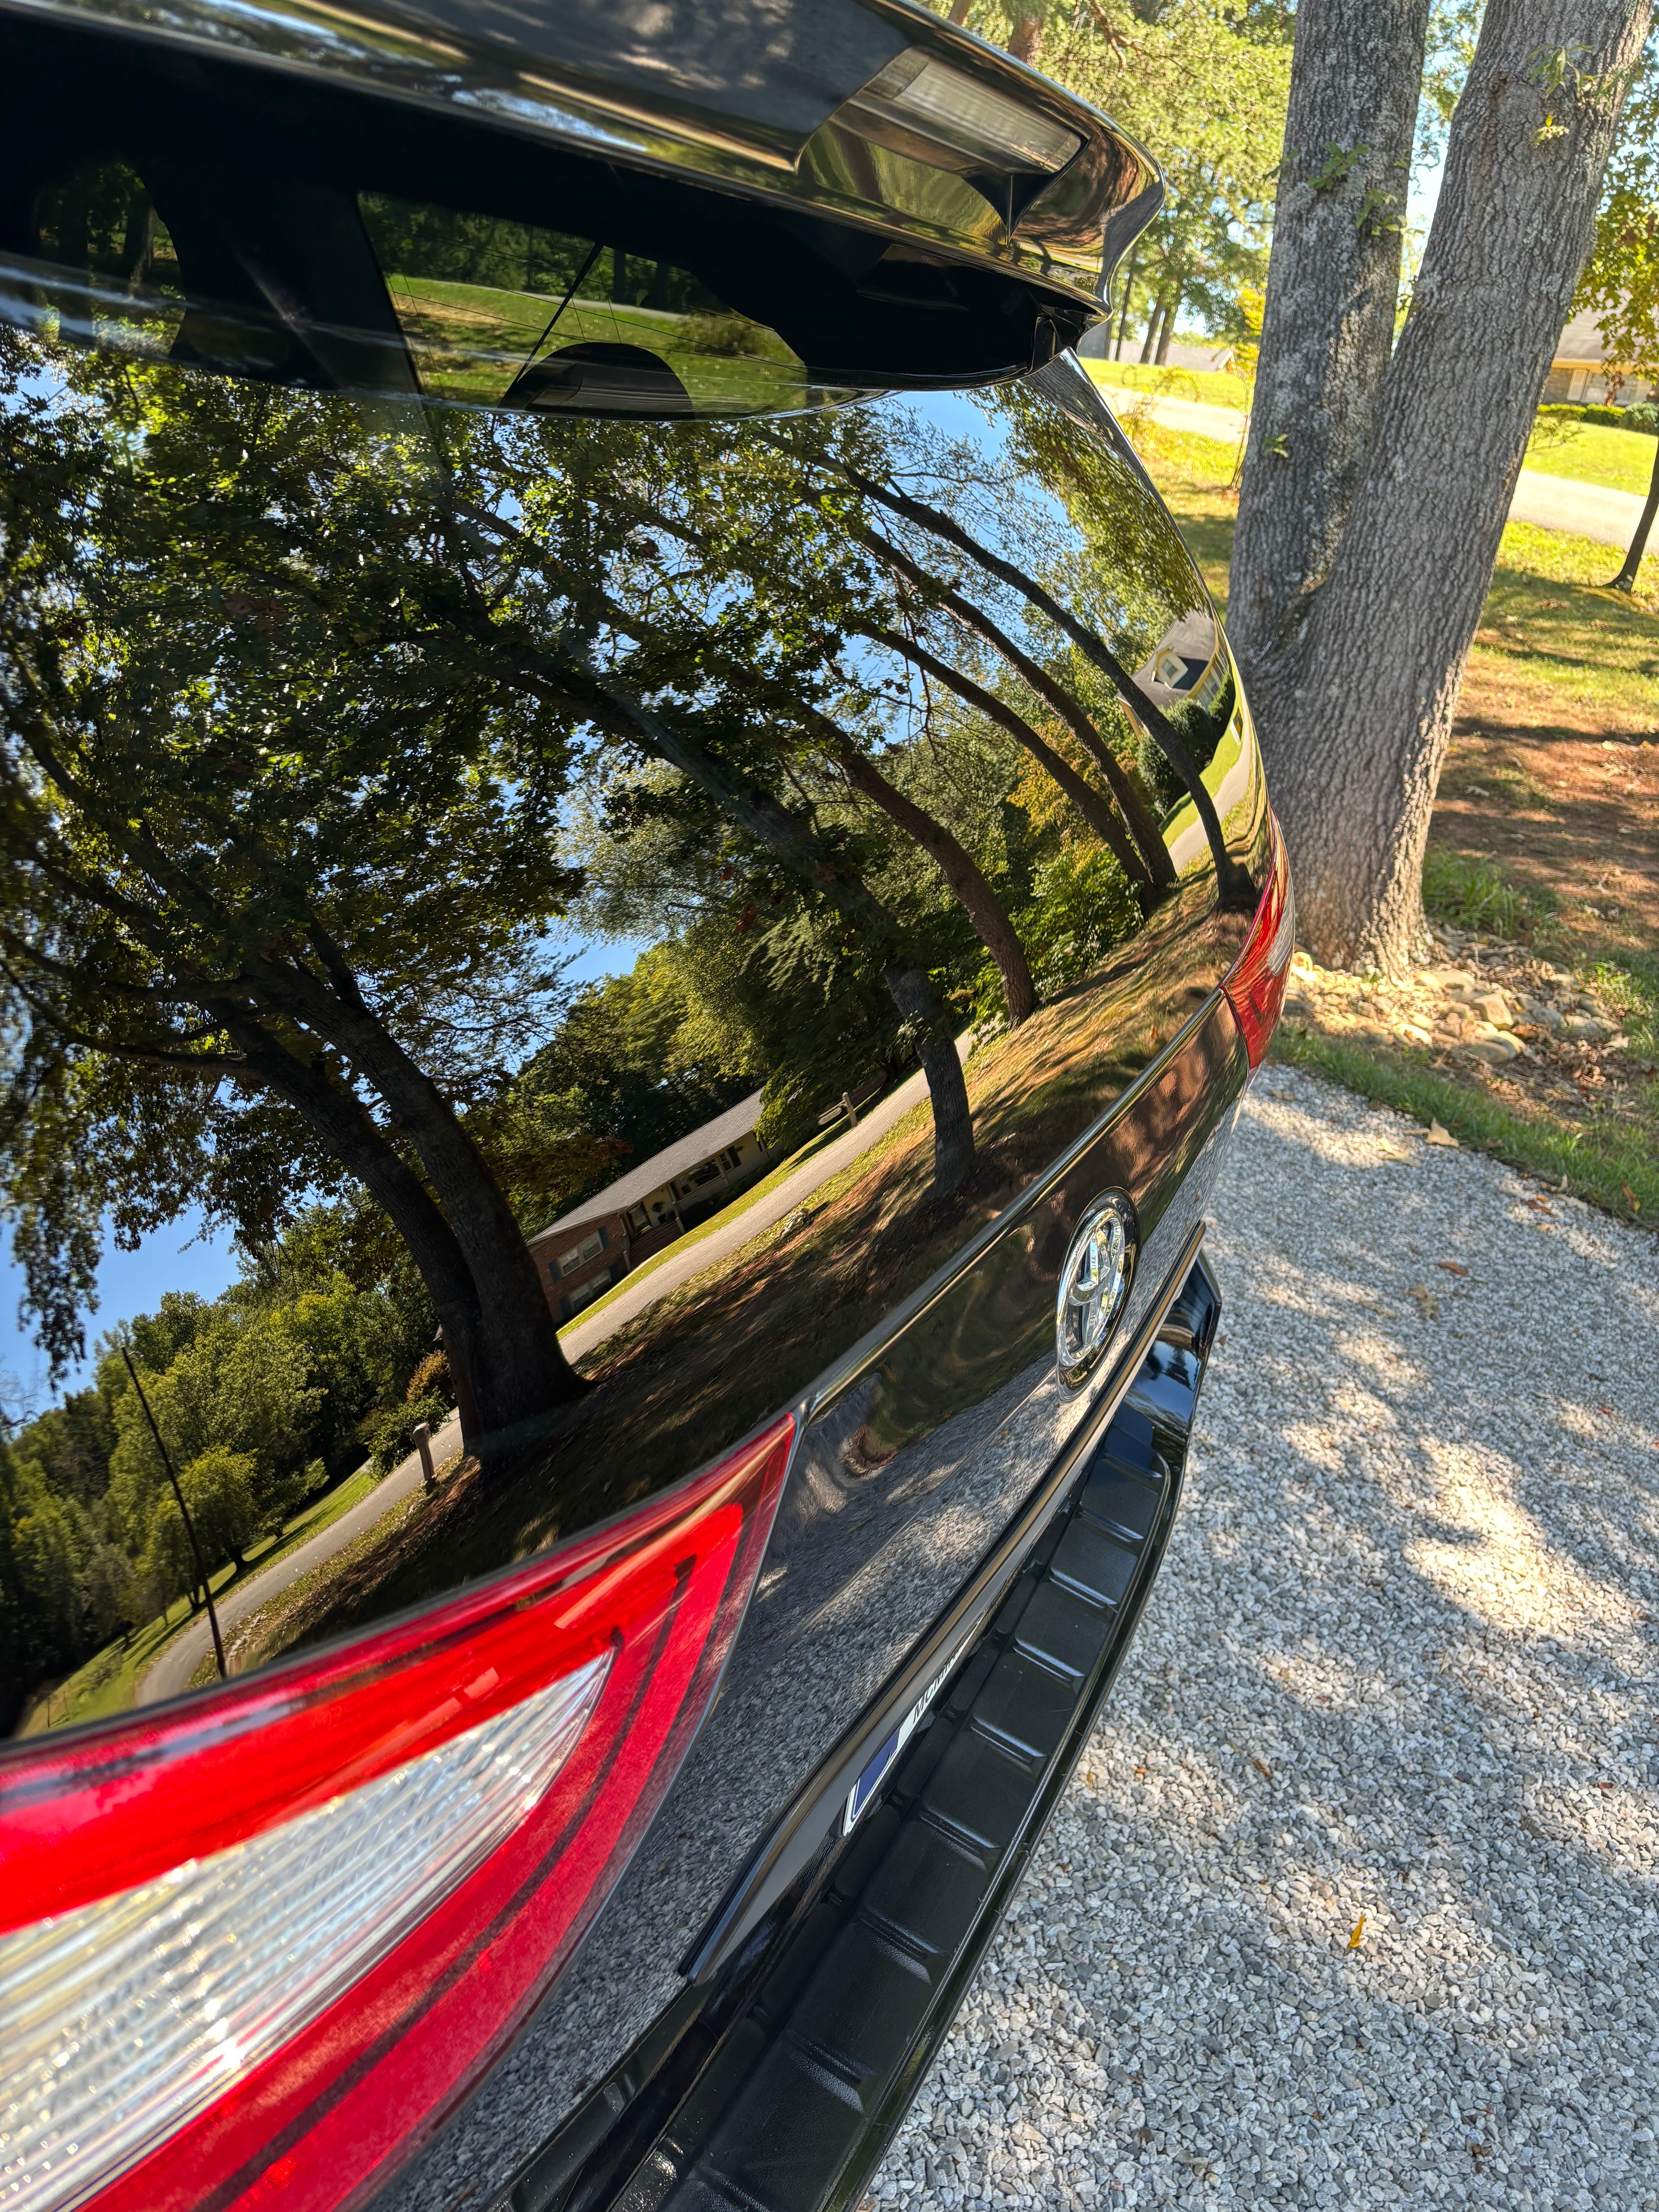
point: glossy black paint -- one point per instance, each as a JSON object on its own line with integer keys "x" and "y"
{"x": 786, "y": 2071}
{"x": 980, "y": 522}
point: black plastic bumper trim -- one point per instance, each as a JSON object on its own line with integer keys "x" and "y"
{"x": 781, "y": 2094}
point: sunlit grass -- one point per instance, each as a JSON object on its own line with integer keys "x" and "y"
{"x": 1593, "y": 453}
{"x": 1213, "y": 387}
{"x": 108, "y": 1681}
{"x": 1474, "y": 895}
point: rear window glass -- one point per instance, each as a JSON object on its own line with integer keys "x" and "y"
{"x": 500, "y": 312}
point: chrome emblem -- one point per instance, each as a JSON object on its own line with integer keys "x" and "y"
{"x": 1094, "y": 1283}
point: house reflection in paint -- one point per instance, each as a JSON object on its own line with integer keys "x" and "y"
{"x": 595, "y": 1244}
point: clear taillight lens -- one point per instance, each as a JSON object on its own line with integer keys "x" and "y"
{"x": 120, "y": 2022}
{"x": 257, "y": 1944}
{"x": 1255, "y": 984}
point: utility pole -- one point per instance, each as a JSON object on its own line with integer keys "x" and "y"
{"x": 184, "y": 1511}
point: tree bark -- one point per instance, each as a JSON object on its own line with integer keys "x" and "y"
{"x": 1025, "y": 36}
{"x": 1327, "y": 327}
{"x": 1358, "y": 724}
{"x": 1626, "y": 579}
{"x": 1171, "y": 309}
{"x": 968, "y": 884}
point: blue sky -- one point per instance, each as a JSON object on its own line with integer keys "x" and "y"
{"x": 179, "y": 1258}
{"x": 128, "y": 1283}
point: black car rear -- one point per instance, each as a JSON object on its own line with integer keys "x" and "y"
{"x": 649, "y": 446}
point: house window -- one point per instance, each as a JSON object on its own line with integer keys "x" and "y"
{"x": 584, "y": 1294}
{"x": 580, "y": 1254}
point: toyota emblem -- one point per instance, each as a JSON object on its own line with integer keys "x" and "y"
{"x": 1094, "y": 1283}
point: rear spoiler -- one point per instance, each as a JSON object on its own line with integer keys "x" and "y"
{"x": 873, "y": 112}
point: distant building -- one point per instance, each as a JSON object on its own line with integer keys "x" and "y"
{"x": 1579, "y": 373}
{"x": 596, "y": 1244}
{"x": 1187, "y": 665}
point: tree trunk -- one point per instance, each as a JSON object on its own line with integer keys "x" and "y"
{"x": 772, "y": 825}
{"x": 1233, "y": 884}
{"x": 1171, "y": 311}
{"x": 1149, "y": 838}
{"x": 1358, "y": 724}
{"x": 1025, "y": 37}
{"x": 519, "y": 1370}
{"x": 1626, "y": 579}
{"x": 1328, "y": 328}
{"x": 491, "y": 1403}
{"x": 1082, "y": 795}
{"x": 1129, "y": 294}
{"x": 968, "y": 885}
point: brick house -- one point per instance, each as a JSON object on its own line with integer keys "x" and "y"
{"x": 1578, "y": 373}
{"x": 585, "y": 1251}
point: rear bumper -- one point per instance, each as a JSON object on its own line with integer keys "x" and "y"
{"x": 775, "y": 2081}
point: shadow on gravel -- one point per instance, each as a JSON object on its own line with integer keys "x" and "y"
{"x": 1353, "y": 1899}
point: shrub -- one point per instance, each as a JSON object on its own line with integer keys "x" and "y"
{"x": 431, "y": 1379}
{"x": 1081, "y": 907}
{"x": 389, "y": 1431}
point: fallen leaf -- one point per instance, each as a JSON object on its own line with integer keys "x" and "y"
{"x": 1425, "y": 1301}
{"x": 1438, "y": 1136}
{"x": 1393, "y": 1153}
{"x": 1357, "y": 1932}
{"x": 1452, "y": 1267}
{"x": 1631, "y": 1199}
{"x": 1603, "y": 1409}
{"x": 1262, "y": 1767}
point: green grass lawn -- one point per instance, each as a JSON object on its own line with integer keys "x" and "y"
{"x": 1593, "y": 453}
{"x": 108, "y": 1682}
{"x": 469, "y": 341}
{"x": 1587, "y": 453}
{"x": 1215, "y": 388}
{"x": 1550, "y": 620}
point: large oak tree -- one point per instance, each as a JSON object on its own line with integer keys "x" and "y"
{"x": 1377, "y": 484}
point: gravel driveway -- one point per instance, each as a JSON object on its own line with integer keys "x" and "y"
{"x": 1400, "y": 1665}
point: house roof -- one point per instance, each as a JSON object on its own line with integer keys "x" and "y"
{"x": 687, "y": 1151}
{"x": 1581, "y": 339}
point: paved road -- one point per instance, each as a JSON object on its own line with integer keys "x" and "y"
{"x": 1593, "y": 511}
{"x": 170, "y": 1676}
{"x": 1401, "y": 1664}
{"x": 785, "y": 1199}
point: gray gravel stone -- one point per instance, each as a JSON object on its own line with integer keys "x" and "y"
{"x": 1400, "y": 1666}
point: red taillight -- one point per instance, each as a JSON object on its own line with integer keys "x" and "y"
{"x": 259, "y": 1943}
{"x": 1256, "y": 983}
